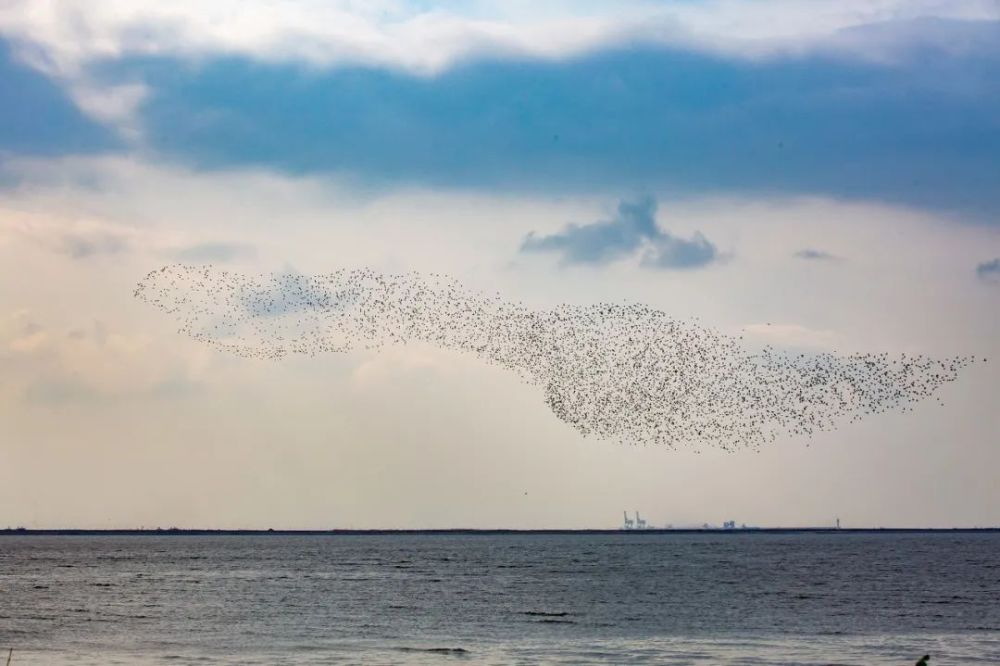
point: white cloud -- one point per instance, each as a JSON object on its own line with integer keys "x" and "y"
{"x": 87, "y": 361}
{"x": 792, "y": 335}
{"x": 111, "y": 104}
{"x": 65, "y": 36}
{"x": 377, "y": 371}
{"x": 69, "y": 33}
{"x": 89, "y": 226}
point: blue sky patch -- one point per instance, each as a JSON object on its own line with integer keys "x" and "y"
{"x": 922, "y": 133}
{"x": 37, "y": 118}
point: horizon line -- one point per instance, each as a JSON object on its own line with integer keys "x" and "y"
{"x": 199, "y": 531}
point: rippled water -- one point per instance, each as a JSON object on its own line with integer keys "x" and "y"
{"x": 748, "y": 598}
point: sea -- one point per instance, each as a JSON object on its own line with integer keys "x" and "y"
{"x": 613, "y": 598}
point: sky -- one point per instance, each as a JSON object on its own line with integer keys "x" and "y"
{"x": 815, "y": 175}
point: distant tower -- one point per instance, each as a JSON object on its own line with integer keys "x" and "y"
{"x": 640, "y": 524}
{"x": 838, "y": 523}
{"x": 628, "y": 522}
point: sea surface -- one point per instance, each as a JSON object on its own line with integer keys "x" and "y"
{"x": 740, "y": 598}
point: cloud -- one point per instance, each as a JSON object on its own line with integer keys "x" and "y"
{"x": 112, "y": 104}
{"x": 428, "y": 38}
{"x": 80, "y": 246}
{"x": 87, "y": 238}
{"x": 601, "y": 242}
{"x": 47, "y": 364}
{"x": 214, "y": 252}
{"x": 815, "y": 255}
{"x": 793, "y": 335}
{"x": 672, "y": 252}
{"x": 632, "y": 230}
{"x": 989, "y": 270}
{"x": 77, "y": 239}
{"x": 390, "y": 366}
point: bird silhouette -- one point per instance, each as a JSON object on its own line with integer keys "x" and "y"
{"x": 624, "y": 372}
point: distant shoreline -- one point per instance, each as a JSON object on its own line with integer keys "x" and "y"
{"x": 489, "y": 532}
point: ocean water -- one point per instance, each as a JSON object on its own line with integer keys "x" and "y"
{"x": 741, "y": 598}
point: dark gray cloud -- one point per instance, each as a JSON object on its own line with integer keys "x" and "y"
{"x": 631, "y": 231}
{"x": 669, "y": 251}
{"x": 211, "y": 252}
{"x": 816, "y": 255}
{"x": 989, "y": 270}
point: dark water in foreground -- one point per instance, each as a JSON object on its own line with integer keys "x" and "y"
{"x": 666, "y": 599}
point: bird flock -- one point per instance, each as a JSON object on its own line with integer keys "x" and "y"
{"x": 624, "y": 372}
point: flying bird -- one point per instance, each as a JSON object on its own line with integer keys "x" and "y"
{"x": 624, "y": 372}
